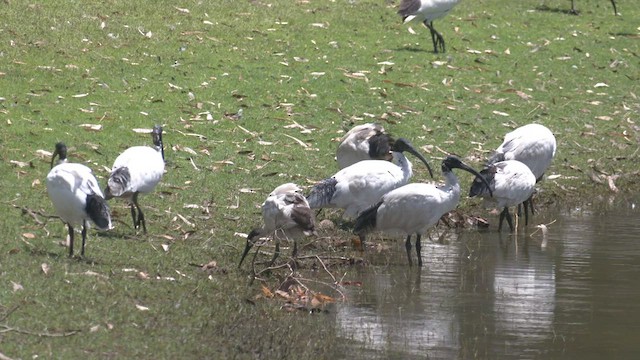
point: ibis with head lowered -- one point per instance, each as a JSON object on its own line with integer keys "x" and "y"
{"x": 76, "y": 196}
{"x": 137, "y": 170}
{"x": 414, "y": 208}
{"x": 285, "y": 213}
{"x": 510, "y": 183}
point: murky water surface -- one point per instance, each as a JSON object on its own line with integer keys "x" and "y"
{"x": 572, "y": 294}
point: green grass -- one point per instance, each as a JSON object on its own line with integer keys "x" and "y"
{"x": 302, "y": 69}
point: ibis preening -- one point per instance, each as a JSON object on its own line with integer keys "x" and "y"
{"x": 426, "y": 11}
{"x": 532, "y": 144}
{"x": 364, "y": 142}
{"x": 613, "y": 2}
{"x": 510, "y": 183}
{"x": 137, "y": 170}
{"x": 414, "y": 208}
{"x": 361, "y": 185}
{"x": 286, "y": 213}
{"x": 76, "y": 196}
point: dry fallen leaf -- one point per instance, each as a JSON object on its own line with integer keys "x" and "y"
{"x": 91, "y": 127}
{"x": 45, "y": 268}
{"x": 141, "y": 308}
{"x": 16, "y": 286}
{"x": 266, "y": 292}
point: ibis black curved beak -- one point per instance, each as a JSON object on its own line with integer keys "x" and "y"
{"x": 53, "y": 158}
{"x": 402, "y": 144}
{"x": 249, "y": 245}
{"x": 156, "y": 135}
{"x": 60, "y": 151}
{"x": 471, "y": 170}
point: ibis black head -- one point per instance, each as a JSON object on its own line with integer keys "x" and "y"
{"x": 453, "y": 162}
{"x": 156, "y": 135}
{"x": 402, "y": 145}
{"x": 60, "y": 151}
{"x": 381, "y": 145}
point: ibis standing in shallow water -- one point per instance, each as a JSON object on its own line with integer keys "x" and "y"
{"x": 414, "y": 208}
{"x": 76, "y": 196}
{"x": 286, "y": 212}
{"x": 510, "y": 183}
{"x": 532, "y": 144}
{"x": 361, "y": 185}
{"x": 426, "y": 11}
{"x": 137, "y": 170}
{"x": 364, "y": 142}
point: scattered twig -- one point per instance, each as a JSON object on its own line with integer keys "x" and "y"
{"x": 5, "y": 328}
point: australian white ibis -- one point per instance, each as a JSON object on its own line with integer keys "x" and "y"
{"x": 510, "y": 183}
{"x": 137, "y": 170}
{"x": 414, "y": 208}
{"x": 613, "y": 2}
{"x": 532, "y": 144}
{"x": 361, "y": 185}
{"x": 426, "y": 11}
{"x": 76, "y": 196}
{"x": 285, "y": 212}
{"x": 364, "y": 142}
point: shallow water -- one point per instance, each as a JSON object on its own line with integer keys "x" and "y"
{"x": 574, "y": 293}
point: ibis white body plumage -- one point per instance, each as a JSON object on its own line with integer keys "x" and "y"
{"x": 532, "y": 144}
{"x": 426, "y": 11}
{"x": 361, "y": 185}
{"x": 364, "y": 142}
{"x": 285, "y": 213}
{"x": 137, "y": 170}
{"x": 511, "y": 183}
{"x": 414, "y": 208}
{"x": 76, "y": 197}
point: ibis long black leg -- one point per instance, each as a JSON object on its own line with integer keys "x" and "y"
{"x": 70, "y": 239}
{"x": 615, "y": 10}
{"x": 407, "y": 245}
{"x": 436, "y": 38}
{"x": 419, "y": 249}
{"x": 505, "y": 214}
{"x": 276, "y": 253}
{"x": 573, "y": 9}
{"x": 140, "y": 214}
{"x": 526, "y": 212}
{"x": 133, "y": 216}
{"x": 84, "y": 236}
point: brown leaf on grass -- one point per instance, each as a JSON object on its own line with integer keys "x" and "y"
{"x": 91, "y": 127}
{"x": 28, "y": 236}
{"x": 266, "y": 292}
{"x": 45, "y": 268}
{"x": 142, "y": 308}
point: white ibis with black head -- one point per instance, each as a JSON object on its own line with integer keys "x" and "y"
{"x": 532, "y": 144}
{"x": 137, "y": 170}
{"x": 285, "y": 212}
{"x": 510, "y": 183}
{"x": 361, "y": 185}
{"x": 364, "y": 142}
{"x": 76, "y": 196}
{"x": 426, "y": 11}
{"x": 414, "y": 208}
